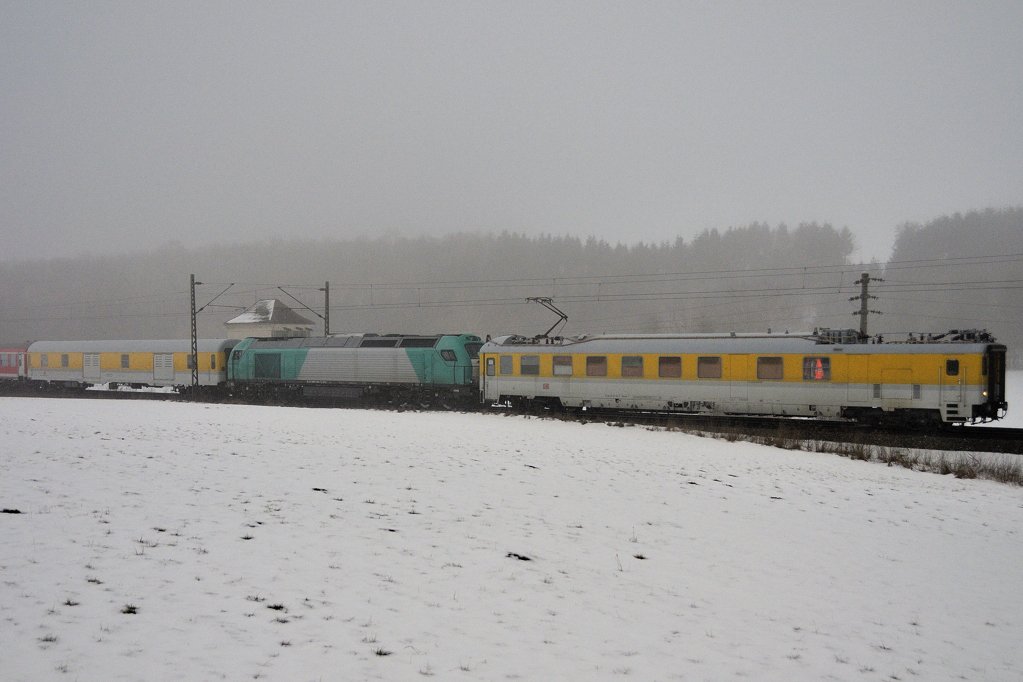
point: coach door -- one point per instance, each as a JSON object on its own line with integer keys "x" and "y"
{"x": 951, "y": 382}
{"x": 163, "y": 366}
{"x": 489, "y": 376}
{"x": 739, "y": 371}
{"x": 90, "y": 366}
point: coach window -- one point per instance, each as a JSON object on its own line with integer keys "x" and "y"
{"x": 596, "y": 366}
{"x": 632, "y": 366}
{"x": 562, "y": 365}
{"x": 506, "y": 365}
{"x": 816, "y": 369}
{"x": 669, "y": 368}
{"x": 770, "y": 369}
{"x": 708, "y": 368}
{"x": 213, "y": 361}
{"x": 44, "y": 360}
{"x": 124, "y": 361}
{"x": 529, "y": 365}
{"x": 952, "y": 368}
{"x": 64, "y": 360}
{"x": 3, "y": 360}
{"x": 491, "y": 370}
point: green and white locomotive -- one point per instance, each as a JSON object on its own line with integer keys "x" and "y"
{"x": 375, "y": 368}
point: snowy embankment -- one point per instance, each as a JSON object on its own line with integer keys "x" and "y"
{"x": 178, "y": 541}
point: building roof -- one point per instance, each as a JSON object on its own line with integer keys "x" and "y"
{"x": 270, "y": 311}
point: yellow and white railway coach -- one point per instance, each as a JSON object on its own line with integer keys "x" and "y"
{"x": 954, "y": 377}
{"x": 136, "y": 363}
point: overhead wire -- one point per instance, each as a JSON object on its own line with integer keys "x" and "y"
{"x": 723, "y": 296}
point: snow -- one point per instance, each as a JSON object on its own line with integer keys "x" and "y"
{"x": 401, "y": 532}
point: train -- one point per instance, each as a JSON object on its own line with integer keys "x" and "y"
{"x": 927, "y": 380}
{"x": 424, "y": 369}
{"x": 367, "y": 367}
{"x": 12, "y": 364}
{"x": 156, "y": 363}
{"x": 828, "y": 374}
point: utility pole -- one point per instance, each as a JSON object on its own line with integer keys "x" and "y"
{"x": 864, "y": 297}
{"x": 326, "y": 308}
{"x": 193, "y": 358}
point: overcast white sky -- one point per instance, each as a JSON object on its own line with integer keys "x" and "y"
{"x": 127, "y": 125}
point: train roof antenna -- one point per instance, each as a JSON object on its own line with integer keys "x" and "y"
{"x": 546, "y": 302}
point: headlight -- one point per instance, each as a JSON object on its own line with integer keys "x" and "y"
{"x": 984, "y": 393}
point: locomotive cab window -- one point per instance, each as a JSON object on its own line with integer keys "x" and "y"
{"x": 529, "y": 365}
{"x": 448, "y": 355}
{"x": 596, "y": 366}
{"x": 562, "y": 365}
{"x": 632, "y": 366}
{"x": 770, "y": 369}
{"x": 669, "y": 368}
{"x": 816, "y": 369}
{"x": 952, "y": 368}
{"x": 708, "y": 368}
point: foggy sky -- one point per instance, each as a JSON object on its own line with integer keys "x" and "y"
{"x": 128, "y": 125}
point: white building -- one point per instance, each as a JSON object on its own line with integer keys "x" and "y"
{"x": 269, "y": 318}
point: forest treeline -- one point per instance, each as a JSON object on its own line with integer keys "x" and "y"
{"x": 953, "y": 272}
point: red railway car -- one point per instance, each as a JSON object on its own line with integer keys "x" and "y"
{"x": 12, "y": 363}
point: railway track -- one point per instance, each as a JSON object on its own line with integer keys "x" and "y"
{"x": 780, "y": 430}
{"x": 960, "y": 438}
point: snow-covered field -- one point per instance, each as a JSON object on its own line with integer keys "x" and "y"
{"x": 198, "y": 542}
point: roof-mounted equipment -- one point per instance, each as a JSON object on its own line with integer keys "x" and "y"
{"x": 546, "y": 302}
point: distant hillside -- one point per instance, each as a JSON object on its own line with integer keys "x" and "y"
{"x": 964, "y": 270}
{"x": 743, "y": 279}
{"x": 475, "y": 282}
